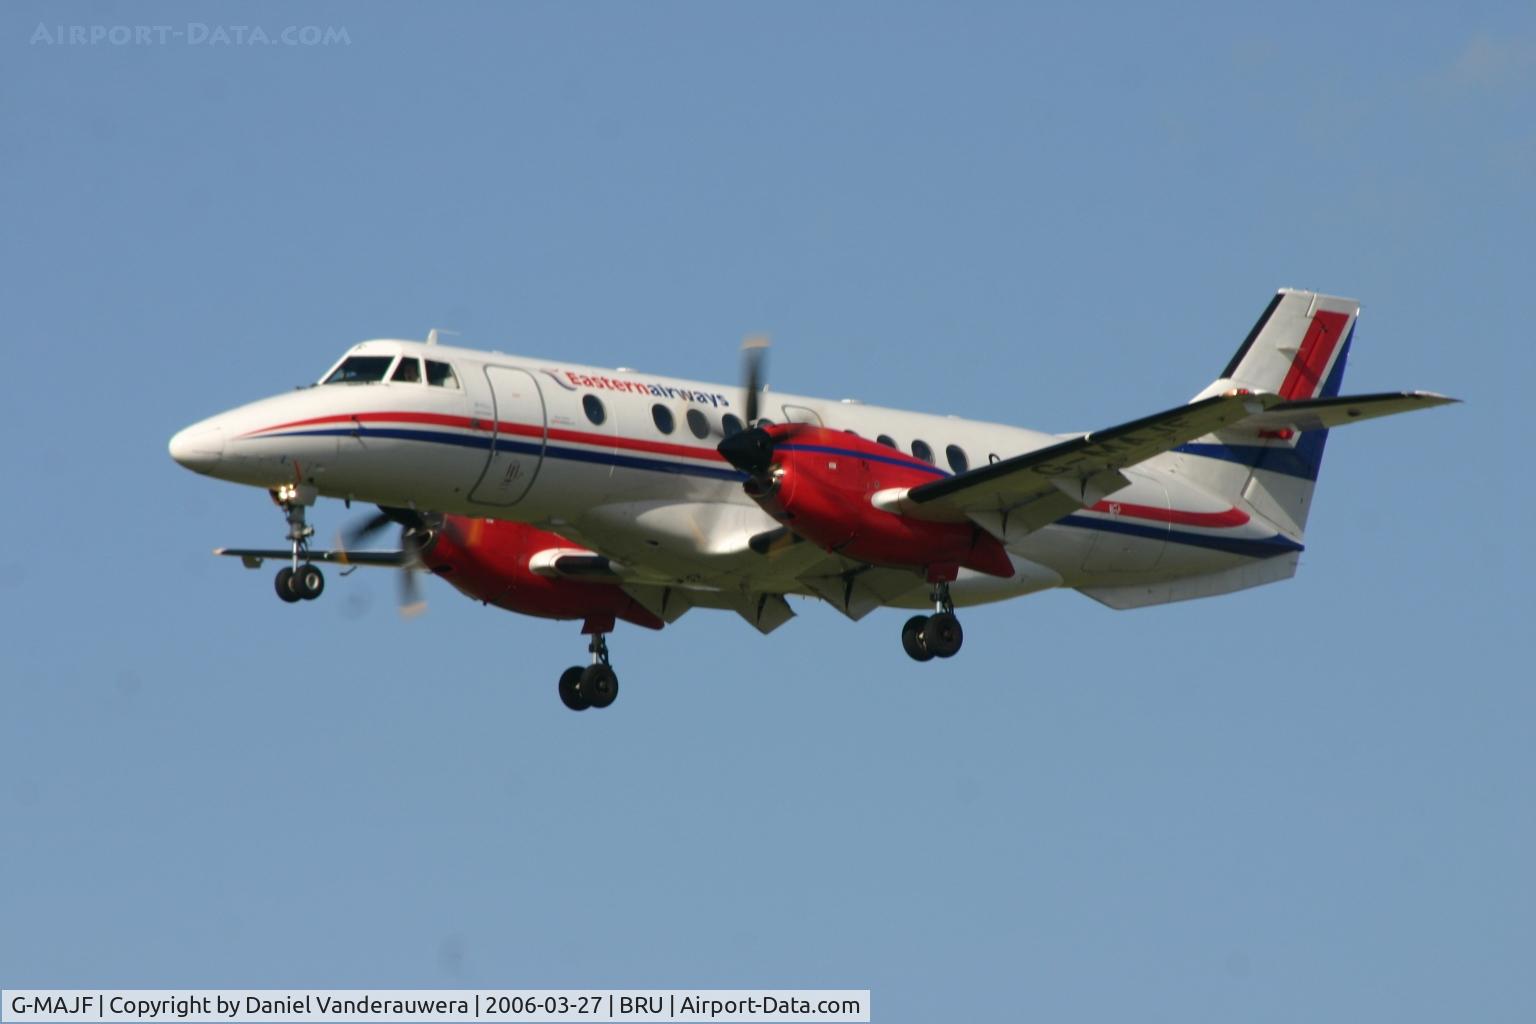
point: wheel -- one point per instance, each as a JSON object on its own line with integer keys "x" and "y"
{"x": 943, "y": 635}
{"x": 308, "y": 582}
{"x": 284, "y": 585}
{"x": 912, "y": 638}
{"x": 599, "y": 685}
{"x": 570, "y": 689}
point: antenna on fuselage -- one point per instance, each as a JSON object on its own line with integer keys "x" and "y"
{"x": 434, "y": 332}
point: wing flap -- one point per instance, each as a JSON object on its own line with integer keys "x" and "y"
{"x": 858, "y": 591}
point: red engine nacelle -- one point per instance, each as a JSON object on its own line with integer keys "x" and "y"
{"x": 821, "y": 484}
{"x": 488, "y": 559}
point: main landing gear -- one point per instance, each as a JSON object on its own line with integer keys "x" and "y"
{"x": 934, "y": 636}
{"x": 299, "y": 581}
{"x": 595, "y": 685}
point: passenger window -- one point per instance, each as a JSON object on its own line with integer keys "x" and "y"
{"x": 593, "y": 406}
{"x": 440, "y": 375}
{"x": 730, "y": 424}
{"x": 764, "y": 421}
{"x": 408, "y": 372}
{"x": 698, "y": 424}
{"x": 922, "y": 451}
{"x": 663, "y": 417}
{"x": 360, "y": 370}
{"x": 957, "y": 460}
{"x": 887, "y": 440}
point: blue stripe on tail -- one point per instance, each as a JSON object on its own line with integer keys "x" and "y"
{"x": 1305, "y": 459}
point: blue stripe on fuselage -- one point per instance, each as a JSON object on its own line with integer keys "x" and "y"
{"x": 505, "y": 443}
{"x": 1253, "y": 547}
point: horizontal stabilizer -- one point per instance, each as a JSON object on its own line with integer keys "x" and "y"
{"x": 1325, "y": 413}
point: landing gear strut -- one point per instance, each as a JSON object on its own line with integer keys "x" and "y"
{"x": 595, "y": 685}
{"x": 298, "y": 581}
{"x": 934, "y": 636}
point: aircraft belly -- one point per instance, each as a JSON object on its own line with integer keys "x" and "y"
{"x": 689, "y": 541}
{"x": 974, "y": 588}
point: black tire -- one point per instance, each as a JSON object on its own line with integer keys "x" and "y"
{"x": 599, "y": 685}
{"x": 912, "y": 638}
{"x": 283, "y": 584}
{"x": 943, "y": 635}
{"x": 308, "y": 582}
{"x": 570, "y": 689}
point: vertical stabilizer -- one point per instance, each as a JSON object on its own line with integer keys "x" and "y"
{"x": 1296, "y": 350}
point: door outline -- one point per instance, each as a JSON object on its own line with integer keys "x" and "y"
{"x": 515, "y": 399}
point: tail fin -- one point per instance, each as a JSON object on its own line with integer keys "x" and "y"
{"x": 1297, "y": 350}
{"x": 1267, "y": 463}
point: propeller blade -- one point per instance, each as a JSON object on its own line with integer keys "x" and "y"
{"x": 355, "y": 535}
{"x": 412, "y": 543}
{"x": 412, "y": 603}
{"x": 754, "y": 372}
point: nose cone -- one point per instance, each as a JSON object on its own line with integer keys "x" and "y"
{"x": 200, "y": 447}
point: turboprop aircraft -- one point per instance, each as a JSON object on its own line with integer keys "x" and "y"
{"x": 571, "y": 492}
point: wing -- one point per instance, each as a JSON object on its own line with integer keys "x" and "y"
{"x": 1041, "y": 486}
{"x": 253, "y": 557}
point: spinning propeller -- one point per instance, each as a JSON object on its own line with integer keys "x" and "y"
{"x": 751, "y": 450}
{"x": 416, "y": 533}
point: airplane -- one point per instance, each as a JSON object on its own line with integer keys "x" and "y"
{"x": 573, "y": 492}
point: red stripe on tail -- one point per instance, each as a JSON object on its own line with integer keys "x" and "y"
{"x": 1305, "y": 376}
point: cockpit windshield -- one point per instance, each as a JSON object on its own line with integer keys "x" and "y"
{"x": 360, "y": 370}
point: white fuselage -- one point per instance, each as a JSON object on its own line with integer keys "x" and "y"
{"x": 583, "y": 452}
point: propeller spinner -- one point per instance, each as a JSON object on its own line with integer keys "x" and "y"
{"x": 751, "y": 450}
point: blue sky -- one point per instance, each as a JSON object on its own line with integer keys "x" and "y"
{"x": 1309, "y": 801}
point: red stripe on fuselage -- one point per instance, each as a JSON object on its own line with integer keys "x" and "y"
{"x": 1305, "y": 376}
{"x": 504, "y": 427}
{"x": 1215, "y": 520}
{"x": 436, "y": 419}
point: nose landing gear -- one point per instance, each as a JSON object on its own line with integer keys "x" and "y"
{"x": 595, "y": 685}
{"x": 934, "y": 636}
{"x": 298, "y": 581}
{"x": 302, "y": 584}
